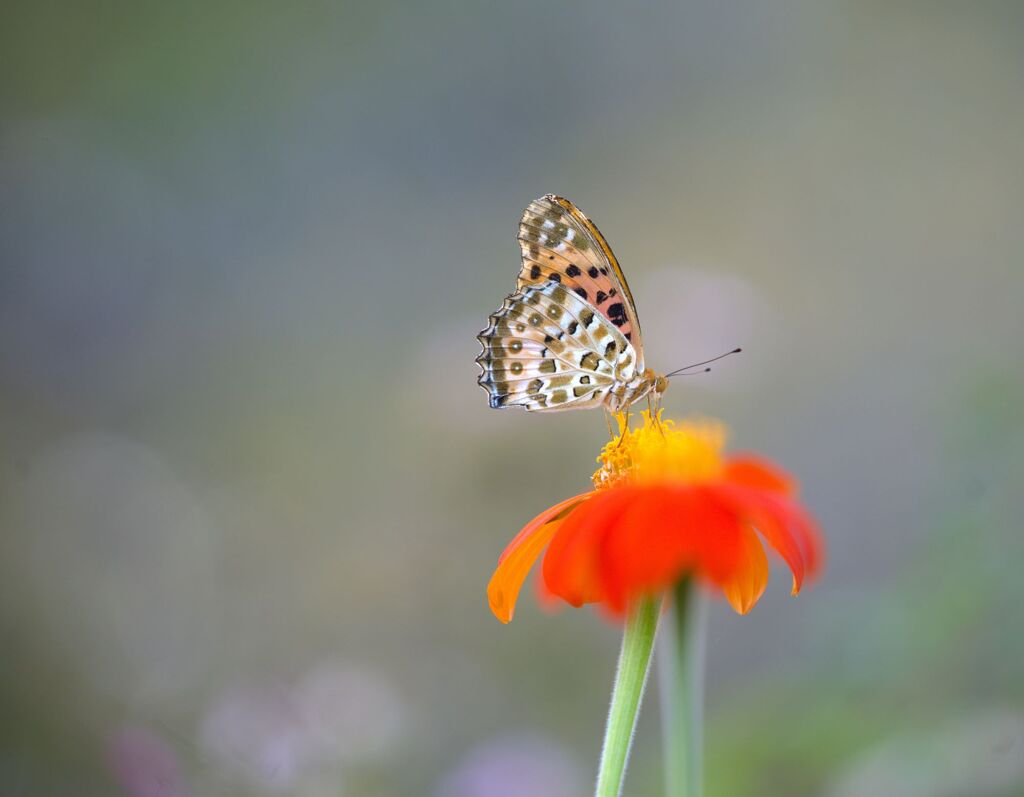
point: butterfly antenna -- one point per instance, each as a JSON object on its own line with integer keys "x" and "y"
{"x": 680, "y": 371}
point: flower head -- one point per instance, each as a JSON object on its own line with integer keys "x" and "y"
{"x": 666, "y": 503}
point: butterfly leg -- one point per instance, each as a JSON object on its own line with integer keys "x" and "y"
{"x": 608, "y": 423}
{"x": 654, "y": 412}
{"x": 625, "y": 429}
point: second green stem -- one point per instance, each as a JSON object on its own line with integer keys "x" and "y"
{"x": 681, "y": 669}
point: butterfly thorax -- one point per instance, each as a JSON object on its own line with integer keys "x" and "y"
{"x": 624, "y": 394}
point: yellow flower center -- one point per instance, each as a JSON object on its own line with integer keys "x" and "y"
{"x": 661, "y": 451}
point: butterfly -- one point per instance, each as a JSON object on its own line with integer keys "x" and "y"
{"x": 569, "y": 337}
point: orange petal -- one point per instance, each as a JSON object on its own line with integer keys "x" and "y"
{"x": 809, "y": 537}
{"x": 777, "y": 520}
{"x": 750, "y": 470}
{"x": 559, "y": 510}
{"x": 572, "y": 563}
{"x": 718, "y": 535}
{"x": 518, "y": 557}
{"x": 653, "y": 542}
{"x": 804, "y": 529}
{"x": 548, "y": 600}
{"x": 745, "y": 585}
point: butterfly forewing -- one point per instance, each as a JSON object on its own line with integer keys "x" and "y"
{"x": 560, "y": 244}
{"x": 547, "y": 349}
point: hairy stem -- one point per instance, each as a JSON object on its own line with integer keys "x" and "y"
{"x": 634, "y": 662}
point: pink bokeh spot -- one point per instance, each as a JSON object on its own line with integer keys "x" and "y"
{"x": 144, "y": 765}
{"x": 514, "y": 766}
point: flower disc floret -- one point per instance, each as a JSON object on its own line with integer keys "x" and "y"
{"x": 661, "y": 451}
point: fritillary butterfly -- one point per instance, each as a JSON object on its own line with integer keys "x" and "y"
{"x": 569, "y": 337}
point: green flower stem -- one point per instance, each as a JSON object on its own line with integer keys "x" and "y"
{"x": 634, "y": 663}
{"x": 681, "y": 667}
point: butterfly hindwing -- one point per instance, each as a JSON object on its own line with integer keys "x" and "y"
{"x": 547, "y": 349}
{"x": 560, "y": 244}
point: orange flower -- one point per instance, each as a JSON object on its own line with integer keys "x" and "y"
{"x": 666, "y": 504}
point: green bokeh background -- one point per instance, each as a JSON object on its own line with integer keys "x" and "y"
{"x": 246, "y": 477}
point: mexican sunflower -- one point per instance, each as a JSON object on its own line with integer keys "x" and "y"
{"x": 666, "y": 503}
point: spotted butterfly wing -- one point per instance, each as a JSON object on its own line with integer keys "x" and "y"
{"x": 559, "y": 243}
{"x": 569, "y": 337}
{"x": 547, "y": 349}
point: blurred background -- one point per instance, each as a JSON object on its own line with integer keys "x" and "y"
{"x": 250, "y": 494}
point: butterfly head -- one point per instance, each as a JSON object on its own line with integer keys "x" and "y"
{"x": 651, "y": 382}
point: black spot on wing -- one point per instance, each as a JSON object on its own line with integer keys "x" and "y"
{"x": 617, "y": 314}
